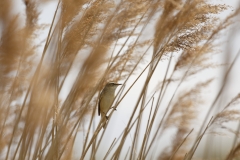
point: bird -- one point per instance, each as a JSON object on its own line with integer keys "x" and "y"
{"x": 106, "y": 100}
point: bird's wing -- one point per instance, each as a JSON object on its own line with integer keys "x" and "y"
{"x": 99, "y": 107}
{"x": 99, "y": 100}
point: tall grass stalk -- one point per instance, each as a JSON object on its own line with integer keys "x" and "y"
{"x": 132, "y": 42}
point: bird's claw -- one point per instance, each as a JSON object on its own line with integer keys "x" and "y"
{"x": 114, "y": 108}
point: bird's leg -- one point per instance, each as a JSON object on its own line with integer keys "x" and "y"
{"x": 106, "y": 117}
{"x": 114, "y": 108}
{"x": 103, "y": 113}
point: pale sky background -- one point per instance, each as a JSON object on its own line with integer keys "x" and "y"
{"x": 230, "y": 40}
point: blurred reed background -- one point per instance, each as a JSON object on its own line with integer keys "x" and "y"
{"x": 163, "y": 48}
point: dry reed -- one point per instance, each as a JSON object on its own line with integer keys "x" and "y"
{"x": 105, "y": 40}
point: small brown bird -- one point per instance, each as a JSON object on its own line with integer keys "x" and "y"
{"x": 106, "y": 100}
